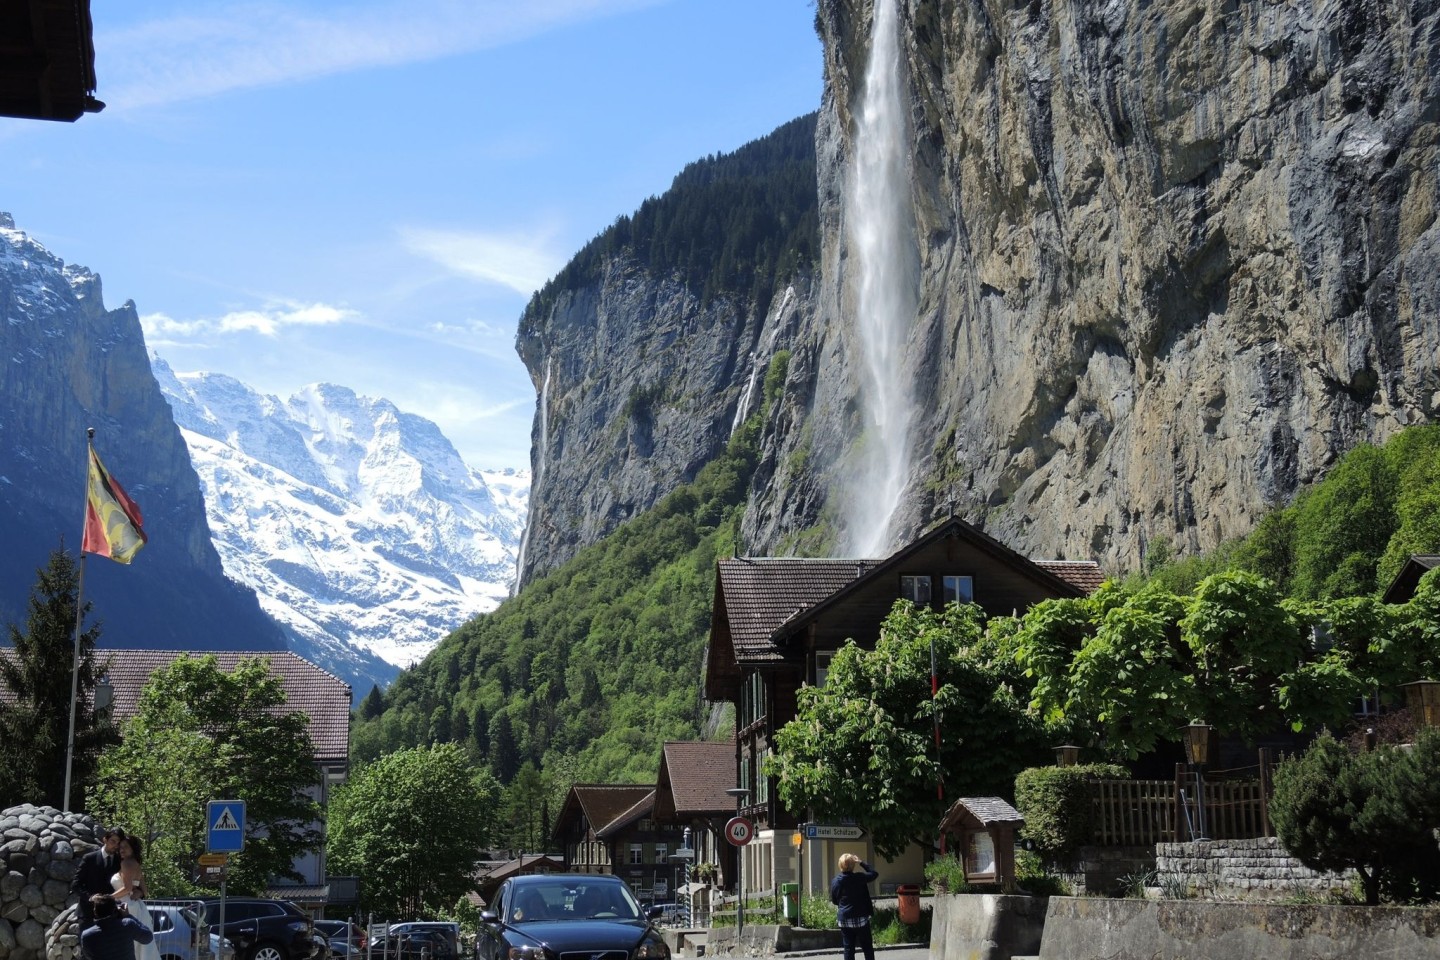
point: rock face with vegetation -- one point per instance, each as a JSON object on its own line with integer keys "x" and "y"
{"x": 1173, "y": 259}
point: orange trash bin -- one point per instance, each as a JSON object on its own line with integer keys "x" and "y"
{"x": 908, "y": 895}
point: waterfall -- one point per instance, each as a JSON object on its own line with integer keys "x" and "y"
{"x": 541, "y": 449}
{"x": 879, "y": 226}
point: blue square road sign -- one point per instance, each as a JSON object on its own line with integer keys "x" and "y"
{"x": 224, "y": 826}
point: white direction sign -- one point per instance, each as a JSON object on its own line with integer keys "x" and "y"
{"x": 832, "y": 831}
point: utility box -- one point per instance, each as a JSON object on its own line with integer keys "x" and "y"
{"x": 790, "y": 902}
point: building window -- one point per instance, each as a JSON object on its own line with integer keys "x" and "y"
{"x": 822, "y": 667}
{"x": 637, "y": 853}
{"x": 752, "y": 699}
{"x": 958, "y": 588}
{"x": 745, "y": 777}
{"x": 762, "y": 781}
{"x": 916, "y": 589}
{"x": 662, "y": 850}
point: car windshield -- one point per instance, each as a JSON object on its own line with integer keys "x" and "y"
{"x": 572, "y": 901}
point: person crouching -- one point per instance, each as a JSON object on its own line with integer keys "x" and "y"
{"x": 114, "y": 933}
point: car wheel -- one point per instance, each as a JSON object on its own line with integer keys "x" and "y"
{"x": 269, "y": 951}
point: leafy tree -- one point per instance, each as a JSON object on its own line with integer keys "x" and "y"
{"x": 862, "y": 745}
{"x": 37, "y": 674}
{"x": 200, "y": 734}
{"x": 411, "y": 826}
{"x": 1373, "y": 812}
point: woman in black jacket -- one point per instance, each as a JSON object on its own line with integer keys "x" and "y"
{"x": 850, "y": 892}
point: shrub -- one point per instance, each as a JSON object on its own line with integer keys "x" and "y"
{"x": 946, "y": 875}
{"x": 1055, "y": 802}
{"x": 1374, "y": 812}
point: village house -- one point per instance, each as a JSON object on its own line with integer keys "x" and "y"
{"x": 777, "y": 622}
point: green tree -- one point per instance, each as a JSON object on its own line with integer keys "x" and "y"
{"x": 201, "y": 734}
{"x": 411, "y": 826}
{"x": 37, "y": 675}
{"x": 1374, "y": 812}
{"x": 862, "y": 745}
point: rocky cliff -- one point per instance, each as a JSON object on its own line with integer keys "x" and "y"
{"x": 1170, "y": 258}
{"x": 69, "y": 364}
{"x": 1174, "y": 257}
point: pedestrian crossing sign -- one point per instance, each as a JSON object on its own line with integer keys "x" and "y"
{"x": 224, "y": 826}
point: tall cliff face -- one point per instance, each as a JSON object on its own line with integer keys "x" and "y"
{"x": 1174, "y": 257}
{"x": 70, "y": 364}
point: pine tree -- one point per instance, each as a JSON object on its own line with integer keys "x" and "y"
{"x": 374, "y": 703}
{"x": 35, "y": 718}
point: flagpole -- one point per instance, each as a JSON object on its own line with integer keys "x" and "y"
{"x": 79, "y": 614}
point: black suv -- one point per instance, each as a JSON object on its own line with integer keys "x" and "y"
{"x": 264, "y": 929}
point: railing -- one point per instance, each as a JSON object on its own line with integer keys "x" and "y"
{"x": 1143, "y": 812}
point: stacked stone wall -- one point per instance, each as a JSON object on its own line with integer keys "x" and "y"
{"x": 40, "y": 850}
{"x": 1260, "y": 868}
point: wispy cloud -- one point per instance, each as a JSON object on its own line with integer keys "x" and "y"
{"x": 267, "y": 321}
{"x": 237, "y": 46}
{"x": 521, "y": 262}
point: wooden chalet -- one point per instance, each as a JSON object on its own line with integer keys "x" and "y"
{"x": 690, "y": 792}
{"x": 777, "y": 622}
{"x": 611, "y": 828}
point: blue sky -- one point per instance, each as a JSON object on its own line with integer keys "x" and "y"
{"x": 367, "y": 193}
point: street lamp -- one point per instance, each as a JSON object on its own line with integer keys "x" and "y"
{"x": 1196, "y": 736}
{"x": 739, "y": 793}
{"x": 1067, "y": 755}
{"x": 685, "y": 854}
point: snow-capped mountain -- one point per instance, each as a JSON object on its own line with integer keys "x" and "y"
{"x": 358, "y": 525}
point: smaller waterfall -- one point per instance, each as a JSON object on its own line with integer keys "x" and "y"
{"x": 881, "y": 232}
{"x": 539, "y": 474}
{"x": 743, "y": 409}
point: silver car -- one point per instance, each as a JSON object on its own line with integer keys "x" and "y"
{"x": 180, "y": 934}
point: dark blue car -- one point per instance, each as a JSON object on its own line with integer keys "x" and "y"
{"x": 567, "y": 917}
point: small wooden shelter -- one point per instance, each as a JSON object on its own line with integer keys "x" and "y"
{"x": 986, "y": 829}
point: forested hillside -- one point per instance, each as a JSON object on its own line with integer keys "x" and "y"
{"x": 736, "y": 223}
{"x": 598, "y": 661}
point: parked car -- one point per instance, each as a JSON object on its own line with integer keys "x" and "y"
{"x": 549, "y": 916}
{"x": 449, "y": 933}
{"x": 412, "y": 945}
{"x": 181, "y": 934}
{"x": 349, "y": 933}
{"x": 266, "y": 929}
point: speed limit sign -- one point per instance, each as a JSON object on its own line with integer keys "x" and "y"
{"x": 739, "y": 831}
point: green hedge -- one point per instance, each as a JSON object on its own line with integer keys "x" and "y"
{"x": 1055, "y": 802}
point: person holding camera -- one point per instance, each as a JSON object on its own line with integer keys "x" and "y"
{"x": 850, "y": 892}
{"x": 114, "y": 933}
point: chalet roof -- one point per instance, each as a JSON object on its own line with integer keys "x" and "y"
{"x": 761, "y": 594}
{"x": 1083, "y": 574}
{"x": 602, "y": 803}
{"x": 979, "y": 811}
{"x": 525, "y": 863}
{"x": 1402, "y": 588}
{"x": 321, "y": 696}
{"x": 642, "y": 807}
{"x": 48, "y": 70}
{"x": 694, "y": 775}
{"x": 953, "y": 527}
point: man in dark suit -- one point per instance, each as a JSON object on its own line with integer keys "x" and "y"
{"x": 96, "y": 869}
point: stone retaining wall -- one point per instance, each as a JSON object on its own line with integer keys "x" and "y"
{"x": 40, "y": 850}
{"x": 986, "y": 926}
{"x": 1085, "y": 928}
{"x": 1251, "y": 868}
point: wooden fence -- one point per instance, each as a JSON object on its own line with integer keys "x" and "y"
{"x": 1144, "y": 812}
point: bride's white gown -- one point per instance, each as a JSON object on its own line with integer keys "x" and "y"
{"x": 137, "y": 909}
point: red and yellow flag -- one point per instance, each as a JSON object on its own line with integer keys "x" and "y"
{"x": 112, "y": 519}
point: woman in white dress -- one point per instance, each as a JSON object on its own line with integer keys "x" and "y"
{"x": 129, "y": 886}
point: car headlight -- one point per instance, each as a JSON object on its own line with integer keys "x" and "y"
{"x": 651, "y": 950}
{"x": 525, "y": 953}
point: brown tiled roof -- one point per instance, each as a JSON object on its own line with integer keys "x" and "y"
{"x": 640, "y": 808}
{"x": 321, "y": 696}
{"x": 696, "y": 774}
{"x": 761, "y": 593}
{"x": 1084, "y": 574}
{"x": 602, "y": 803}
